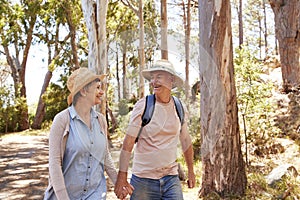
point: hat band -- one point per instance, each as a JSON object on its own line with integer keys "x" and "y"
{"x": 163, "y": 68}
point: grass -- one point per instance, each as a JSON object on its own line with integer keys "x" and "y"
{"x": 287, "y": 188}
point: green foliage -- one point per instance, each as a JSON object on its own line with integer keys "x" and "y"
{"x": 7, "y": 110}
{"x": 194, "y": 127}
{"x": 21, "y": 107}
{"x": 122, "y": 123}
{"x": 286, "y": 188}
{"x": 152, "y": 22}
{"x": 55, "y": 99}
{"x": 11, "y": 109}
{"x": 253, "y": 97}
{"x": 123, "y": 107}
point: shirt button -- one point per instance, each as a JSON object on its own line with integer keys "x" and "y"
{"x": 90, "y": 155}
{"x": 92, "y": 142}
{"x": 87, "y": 179}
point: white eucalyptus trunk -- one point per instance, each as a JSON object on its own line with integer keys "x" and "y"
{"x": 141, "y": 50}
{"x": 95, "y": 18}
{"x": 90, "y": 20}
{"x": 101, "y": 21}
{"x": 222, "y": 161}
{"x": 164, "y": 30}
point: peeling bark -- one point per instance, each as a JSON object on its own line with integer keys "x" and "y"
{"x": 222, "y": 161}
{"x": 287, "y": 30}
{"x": 95, "y": 18}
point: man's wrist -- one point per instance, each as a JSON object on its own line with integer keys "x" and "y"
{"x": 122, "y": 173}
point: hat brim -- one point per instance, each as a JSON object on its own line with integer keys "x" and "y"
{"x": 178, "y": 82}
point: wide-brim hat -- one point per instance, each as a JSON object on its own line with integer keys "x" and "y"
{"x": 80, "y": 78}
{"x": 163, "y": 65}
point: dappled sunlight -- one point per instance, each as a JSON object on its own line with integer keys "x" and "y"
{"x": 23, "y": 166}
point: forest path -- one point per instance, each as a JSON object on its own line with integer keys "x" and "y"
{"x": 24, "y": 168}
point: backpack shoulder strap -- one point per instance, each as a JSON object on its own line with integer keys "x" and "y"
{"x": 179, "y": 109}
{"x": 147, "y": 114}
{"x": 149, "y": 109}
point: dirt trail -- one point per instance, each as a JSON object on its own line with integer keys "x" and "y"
{"x": 24, "y": 168}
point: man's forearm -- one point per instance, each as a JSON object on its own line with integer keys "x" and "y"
{"x": 125, "y": 154}
{"x": 189, "y": 158}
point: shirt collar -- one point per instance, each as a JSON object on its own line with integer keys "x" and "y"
{"x": 74, "y": 114}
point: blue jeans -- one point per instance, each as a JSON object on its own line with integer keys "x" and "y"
{"x": 165, "y": 188}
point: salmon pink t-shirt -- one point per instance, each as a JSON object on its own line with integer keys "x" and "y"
{"x": 155, "y": 153}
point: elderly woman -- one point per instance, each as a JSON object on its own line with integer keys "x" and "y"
{"x": 78, "y": 148}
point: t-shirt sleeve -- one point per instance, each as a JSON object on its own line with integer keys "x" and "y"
{"x": 136, "y": 118}
{"x": 185, "y": 138}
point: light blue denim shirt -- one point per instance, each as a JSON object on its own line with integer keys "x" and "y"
{"x": 83, "y": 165}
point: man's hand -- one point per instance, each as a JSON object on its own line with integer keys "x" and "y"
{"x": 122, "y": 187}
{"x": 191, "y": 179}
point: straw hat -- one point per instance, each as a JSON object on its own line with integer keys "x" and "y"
{"x": 80, "y": 78}
{"x": 163, "y": 65}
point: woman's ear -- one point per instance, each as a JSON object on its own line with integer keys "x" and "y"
{"x": 83, "y": 92}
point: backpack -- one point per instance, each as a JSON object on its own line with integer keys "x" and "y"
{"x": 149, "y": 109}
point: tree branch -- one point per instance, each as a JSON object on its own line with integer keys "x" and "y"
{"x": 128, "y": 4}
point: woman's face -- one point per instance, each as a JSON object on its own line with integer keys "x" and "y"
{"x": 161, "y": 82}
{"x": 95, "y": 93}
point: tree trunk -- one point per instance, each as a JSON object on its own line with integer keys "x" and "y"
{"x": 24, "y": 117}
{"x": 125, "y": 93}
{"x": 260, "y": 37}
{"x": 141, "y": 50}
{"x": 117, "y": 75}
{"x": 241, "y": 30}
{"x": 265, "y": 28}
{"x": 187, "y": 29}
{"x": 18, "y": 74}
{"x": 164, "y": 30}
{"x": 72, "y": 33}
{"x": 287, "y": 26}
{"x": 89, "y": 11}
{"x": 102, "y": 62}
{"x": 222, "y": 161}
{"x": 95, "y": 18}
{"x": 40, "y": 111}
{"x": 13, "y": 68}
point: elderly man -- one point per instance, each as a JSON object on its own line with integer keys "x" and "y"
{"x": 155, "y": 170}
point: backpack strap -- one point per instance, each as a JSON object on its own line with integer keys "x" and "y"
{"x": 147, "y": 114}
{"x": 149, "y": 109}
{"x": 179, "y": 109}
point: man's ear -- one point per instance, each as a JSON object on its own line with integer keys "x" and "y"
{"x": 173, "y": 79}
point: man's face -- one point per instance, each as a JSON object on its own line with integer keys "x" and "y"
{"x": 161, "y": 81}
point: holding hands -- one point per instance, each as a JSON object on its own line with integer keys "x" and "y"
{"x": 122, "y": 187}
